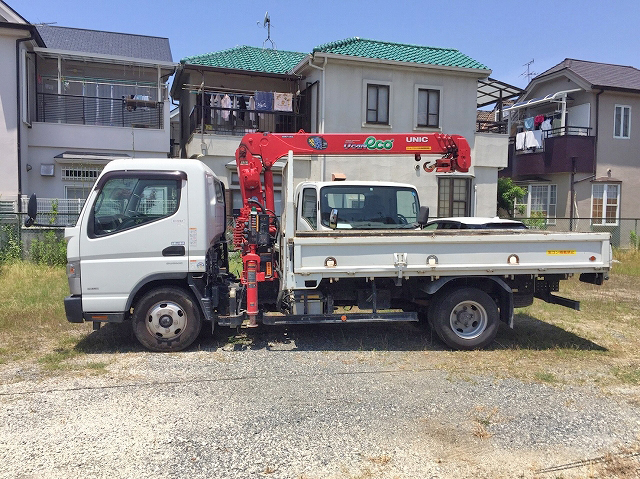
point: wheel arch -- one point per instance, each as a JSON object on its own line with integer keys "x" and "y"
{"x": 496, "y": 287}
{"x": 157, "y": 281}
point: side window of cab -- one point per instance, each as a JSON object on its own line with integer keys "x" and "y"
{"x": 310, "y": 208}
{"x": 126, "y": 202}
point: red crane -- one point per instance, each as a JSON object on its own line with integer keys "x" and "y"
{"x": 255, "y": 231}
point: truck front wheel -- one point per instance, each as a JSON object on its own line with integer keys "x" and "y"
{"x": 465, "y": 318}
{"x": 166, "y": 319}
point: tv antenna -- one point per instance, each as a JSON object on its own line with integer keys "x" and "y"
{"x": 266, "y": 23}
{"x": 528, "y": 74}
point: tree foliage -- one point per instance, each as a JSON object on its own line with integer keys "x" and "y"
{"x": 508, "y": 193}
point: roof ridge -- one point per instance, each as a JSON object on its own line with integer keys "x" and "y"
{"x": 352, "y": 39}
{"x": 600, "y": 63}
{"x": 239, "y": 47}
{"x": 39, "y": 25}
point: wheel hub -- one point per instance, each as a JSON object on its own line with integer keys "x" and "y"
{"x": 468, "y": 319}
{"x": 166, "y": 320}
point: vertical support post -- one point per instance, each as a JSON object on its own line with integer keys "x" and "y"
{"x": 289, "y": 228}
{"x": 572, "y": 192}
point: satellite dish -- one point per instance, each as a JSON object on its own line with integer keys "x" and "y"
{"x": 267, "y": 20}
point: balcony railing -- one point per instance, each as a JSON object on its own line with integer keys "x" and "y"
{"x": 537, "y": 138}
{"x": 135, "y": 112}
{"x": 491, "y": 126}
{"x": 235, "y": 121}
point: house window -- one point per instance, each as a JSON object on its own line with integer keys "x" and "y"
{"x": 541, "y": 201}
{"x": 605, "y": 199}
{"x": 81, "y": 173}
{"x": 378, "y": 104}
{"x": 454, "y": 195}
{"x": 622, "y": 121}
{"x": 428, "y": 114}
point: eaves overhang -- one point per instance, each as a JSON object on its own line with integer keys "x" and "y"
{"x": 33, "y": 31}
{"x": 236, "y": 71}
{"x": 100, "y": 58}
{"x": 479, "y": 72}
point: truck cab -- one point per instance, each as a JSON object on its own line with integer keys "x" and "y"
{"x": 357, "y": 205}
{"x": 141, "y": 226}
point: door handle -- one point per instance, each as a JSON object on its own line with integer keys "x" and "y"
{"x": 173, "y": 251}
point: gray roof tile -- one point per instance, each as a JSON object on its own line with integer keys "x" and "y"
{"x": 600, "y": 74}
{"x": 106, "y": 43}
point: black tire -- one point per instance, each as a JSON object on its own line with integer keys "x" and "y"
{"x": 166, "y": 319}
{"x": 465, "y": 318}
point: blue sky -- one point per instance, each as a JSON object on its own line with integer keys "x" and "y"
{"x": 502, "y": 34}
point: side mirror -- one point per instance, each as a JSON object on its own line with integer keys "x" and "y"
{"x": 423, "y": 215}
{"x": 333, "y": 219}
{"x": 32, "y": 210}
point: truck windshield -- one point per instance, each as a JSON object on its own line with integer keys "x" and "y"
{"x": 369, "y": 207}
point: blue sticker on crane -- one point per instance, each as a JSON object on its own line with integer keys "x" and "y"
{"x": 317, "y": 143}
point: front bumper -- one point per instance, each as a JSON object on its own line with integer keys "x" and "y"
{"x": 73, "y": 308}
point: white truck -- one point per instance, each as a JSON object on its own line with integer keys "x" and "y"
{"x": 150, "y": 246}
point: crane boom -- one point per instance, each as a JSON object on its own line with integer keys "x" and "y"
{"x": 255, "y": 232}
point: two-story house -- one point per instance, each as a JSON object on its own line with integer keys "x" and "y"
{"x": 17, "y": 36}
{"x": 353, "y": 85}
{"x": 574, "y": 149}
{"x": 84, "y": 97}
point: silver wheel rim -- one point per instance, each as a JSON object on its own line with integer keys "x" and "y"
{"x": 166, "y": 320}
{"x": 468, "y": 319}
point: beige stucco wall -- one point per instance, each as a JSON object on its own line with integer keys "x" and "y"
{"x": 8, "y": 115}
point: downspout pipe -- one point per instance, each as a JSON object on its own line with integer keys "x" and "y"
{"x": 323, "y": 163}
{"x": 595, "y": 153}
{"x": 19, "y": 117}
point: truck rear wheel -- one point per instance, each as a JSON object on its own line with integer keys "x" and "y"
{"x": 166, "y": 319}
{"x": 465, "y": 318}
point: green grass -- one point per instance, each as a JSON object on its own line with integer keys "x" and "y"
{"x": 629, "y": 262}
{"x": 599, "y": 344}
{"x": 627, "y": 375}
{"x": 545, "y": 377}
{"x": 235, "y": 263}
{"x": 33, "y": 326}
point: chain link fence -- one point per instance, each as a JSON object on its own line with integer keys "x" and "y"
{"x": 624, "y": 233}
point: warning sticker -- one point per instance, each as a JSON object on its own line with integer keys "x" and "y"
{"x": 556, "y": 252}
{"x": 193, "y": 236}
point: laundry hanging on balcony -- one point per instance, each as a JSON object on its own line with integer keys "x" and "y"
{"x": 264, "y": 100}
{"x": 529, "y": 140}
{"x": 283, "y": 101}
{"x": 225, "y": 103}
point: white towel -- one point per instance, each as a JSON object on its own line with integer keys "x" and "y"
{"x": 530, "y": 140}
{"x": 520, "y": 141}
{"x": 538, "y": 135}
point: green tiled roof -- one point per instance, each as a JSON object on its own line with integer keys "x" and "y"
{"x": 400, "y": 52}
{"x": 249, "y": 58}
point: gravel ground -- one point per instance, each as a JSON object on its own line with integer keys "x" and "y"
{"x": 299, "y": 404}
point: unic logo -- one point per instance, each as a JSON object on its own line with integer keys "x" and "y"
{"x": 372, "y": 144}
{"x": 417, "y": 139}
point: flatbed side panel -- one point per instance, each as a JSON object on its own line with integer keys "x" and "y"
{"x": 318, "y": 257}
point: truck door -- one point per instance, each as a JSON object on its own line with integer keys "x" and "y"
{"x": 136, "y": 230}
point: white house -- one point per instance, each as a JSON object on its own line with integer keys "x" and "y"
{"x": 85, "y": 97}
{"x": 353, "y": 85}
